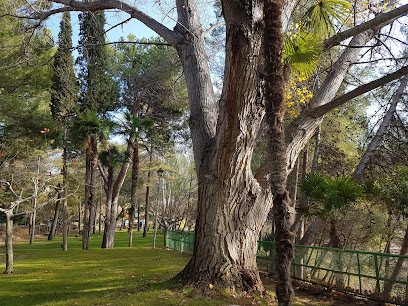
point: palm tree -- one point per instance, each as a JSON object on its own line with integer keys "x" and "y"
{"x": 89, "y": 128}
{"x": 327, "y": 198}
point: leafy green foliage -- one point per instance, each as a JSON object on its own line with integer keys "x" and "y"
{"x": 64, "y": 84}
{"x": 99, "y": 91}
{"x": 90, "y": 125}
{"x": 302, "y": 52}
{"x": 325, "y": 196}
{"x": 303, "y": 44}
{"x": 320, "y": 18}
{"x": 24, "y": 83}
{"x": 135, "y": 125}
{"x": 394, "y": 188}
{"x": 112, "y": 157}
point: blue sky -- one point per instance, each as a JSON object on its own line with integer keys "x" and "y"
{"x": 131, "y": 27}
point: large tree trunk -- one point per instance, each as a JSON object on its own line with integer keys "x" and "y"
{"x": 232, "y": 206}
{"x": 90, "y": 176}
{"x": 9, "y": 243}
{"x": 51, "y": 234}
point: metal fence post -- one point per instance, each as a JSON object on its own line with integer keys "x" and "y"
{"x": 377, "y": 274}
{"x": 359, "y": 272}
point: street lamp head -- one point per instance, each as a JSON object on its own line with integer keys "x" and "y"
{"x": 160, "y": 172}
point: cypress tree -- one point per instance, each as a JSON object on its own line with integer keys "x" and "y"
{"x": 99, "y": 94}
{"x": 64, "y": 91}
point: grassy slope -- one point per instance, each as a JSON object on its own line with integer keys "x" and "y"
{"x": 45, "y": 275}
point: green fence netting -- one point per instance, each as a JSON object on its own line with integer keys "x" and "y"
{"x": 377, "y": 275}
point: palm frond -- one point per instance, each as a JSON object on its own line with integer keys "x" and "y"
{"x": 302, "y": 53}
{"x": 321, "y": 17}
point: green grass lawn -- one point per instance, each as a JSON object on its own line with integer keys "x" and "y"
{"x": 45, "y": 275}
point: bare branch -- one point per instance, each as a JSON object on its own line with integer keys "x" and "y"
{"x": 321, "y": 110}
{"x": 102, "y": 171}
{"x": 116, "y": 25}
{"x": 213, "y": 27}
{"x": 170, "y": 36}
{"x": 27, "y": 212}
{"x": 379, "y": 21}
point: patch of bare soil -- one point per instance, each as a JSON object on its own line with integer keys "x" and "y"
{"x": 309, "y": 294}
{"x": 21, "y": 234}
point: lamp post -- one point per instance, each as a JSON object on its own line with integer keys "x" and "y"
{"x": 160, "y": 175}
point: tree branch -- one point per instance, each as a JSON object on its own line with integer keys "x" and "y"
{"x": 103, "y": 173}
{"x": 321, "y": 110}
{"x": 170, "y": 36}
{"x": 213, "y": 27}
{"x": 379, "y": 21}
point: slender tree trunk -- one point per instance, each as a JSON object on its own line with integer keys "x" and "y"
{"x": 135, "y": 175}
{"x": 79, "y": 215}
{"x": 107, "y": 241}
{"x": 34, "y": 213}
{"x": 112, "y": 199}
{"x": 94, "y": 221}
{"x": 375, "y": 142}
{"x": 138, "y": 217}
{"x": 64, "y": 191}
{"x": 316, "y": 154}
{"x": 337, "y": 261}
{"x": 146, "y": 225}
{"x": 274, "y": 98}
{"x": 51, "y": 234}
{"x": 100, "y": 218}
{"x": 9, "y": 243}
{"x": 398, "y": 266}
{"x": 90, "y": 176}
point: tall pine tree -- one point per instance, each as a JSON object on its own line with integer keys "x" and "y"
{"x": 99, "y": 94}
{"x": 64, "y": 93}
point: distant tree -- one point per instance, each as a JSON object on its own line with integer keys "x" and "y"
{"x": 99, "y": 94}
{"x": 153, "y": 89}
{"x": 395, "y": 189}
{"x": 14, "y": 206}
{"x": 89, "y": 129}
{"x": 64, "y": 94}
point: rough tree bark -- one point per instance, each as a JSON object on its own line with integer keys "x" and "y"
{"x": 135, "y": 174}
{"x": 275, "y": 110}
{"x": 90, "y": 177}
{"x": 232, "y": 206}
